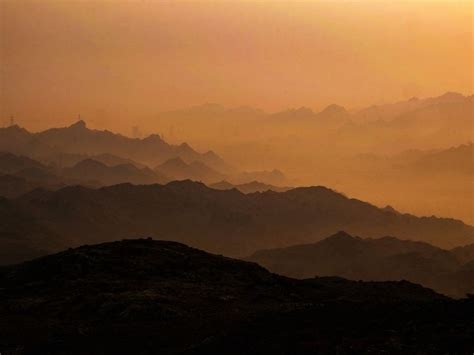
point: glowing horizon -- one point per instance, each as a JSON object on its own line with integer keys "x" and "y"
{"x": 115, "y": 61}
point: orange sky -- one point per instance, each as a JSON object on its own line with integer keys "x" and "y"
{"x": 115, "y": 60}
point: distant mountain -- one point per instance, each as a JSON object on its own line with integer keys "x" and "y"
{"x": 390, "y": 111}
{"x": 145, "y": 296}
{"x": 273, "y": 177}
{"x": 78, "y": 139}
{"x": 11, "y": 163}
{"x": 227, "y": 222}
{"x": 250, "y": 187}
{"x": 464, "y": 254}
{"x": 20, "y": 172}
{"x": 334, "y": 114}
{"x": 458, "y": 159}
{"x": 293, "y": 114}
{"x": 450, "y": 161}
{"x": 180, "y": 170}
{"x": 92, "y": 170}
{"x": 13, "y": 186}
{"x": 385, "y": 258}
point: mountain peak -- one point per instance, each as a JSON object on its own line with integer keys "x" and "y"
{"x": 341, "y": 235}
{"x": 334, "y": 110}
{"x": 81, "y": 124}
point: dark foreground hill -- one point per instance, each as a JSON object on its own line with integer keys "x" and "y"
{"x": 387, "y": 258}
{"x": 225, "y": 222}
{"x": 148, "y": 297}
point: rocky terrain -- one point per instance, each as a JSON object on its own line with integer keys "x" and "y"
{"x": 145, "y": 297}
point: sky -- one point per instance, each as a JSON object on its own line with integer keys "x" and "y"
{"x": 112, "y": 61}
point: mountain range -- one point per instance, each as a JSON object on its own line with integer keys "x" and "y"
{"x": 147, "y": 296}
{"x": 248, "y": 188}
{"x": 447, "y": 271}
{"x": 78, "y": 139}
{"x": 227, "y": 222}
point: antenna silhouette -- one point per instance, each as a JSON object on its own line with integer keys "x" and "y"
{"x": 12, "y": 121}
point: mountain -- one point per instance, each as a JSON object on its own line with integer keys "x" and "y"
{"x": 227, "y": 222}
{"x": 14, "y": 186}
{"x": 20, "y": 173}
{"x": 459, "y": 159}
{"x": 180, "y": 170}
{"x": 23, "y": 236}
{"x": 293, "y": 114}
{"x": 384, "y": 258}
{"x": 144, "y": 296}
{"x": 248, "y": 188}
{"x": 390, "y": 111}
{"x": 273, "y": 177}
{"x": 79, "y": 139}
{"x": 11, "y": 163}
{"x": 464, "y": 253}
{"x": 92, "y": 170}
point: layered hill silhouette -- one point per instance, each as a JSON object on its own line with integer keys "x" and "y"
{"x": 196, "y": 170}
{"x": 227, "y": 222}
{"x": 110, "y": 175}
{"x": 78, "y": 139}
{"x": 387, "y": 258}
{"x": 20, "y": 174}
{"x": 250, "y": 187}
{"x": 454, "y": 160}
{"x": 391, "y": 111}
{"x": 146, "y": 296}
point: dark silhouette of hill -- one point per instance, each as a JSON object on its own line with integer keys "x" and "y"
{"x": 250, "y": 187}
{"x": 464, "y": 253}
{"x": 11, "y": 163}
{"x": 78, "y": 139}
{"x": 384, "y": 258}
{"x": 22, "y": 174}
{"x": 273, "y": 177}
{"x": 14, "y": 186}
{"x": 66, "y": 160}
{"x": 144, "y": 296}
{"x": 227, "y": 222}
{"x": 180, "y": 170}
{"x": 23, "y": 236}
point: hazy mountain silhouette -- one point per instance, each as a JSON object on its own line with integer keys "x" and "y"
{"x": 180, "y": 170}
{"x": 464, "y": 253}
{"x": 385, "y": 258}
{"x": 450, "y": 161}
{"x": 10, "y": 163}
{"x": 458, "y": 159}
{"x": 227, "y": 222}
{"x": 78, "y": 139}
{"x": 21, "y": 172}
{"x": 273, "y": 177}
{"x": 111, "y": 175}
{"x": 24, "y": 173}
{"x": 250, "y": 187}
{"x": 14, "y": 186}
{"x": 66, "y": 160}
{"x": 390, "y": 111}
{"x": 145, "y": 296}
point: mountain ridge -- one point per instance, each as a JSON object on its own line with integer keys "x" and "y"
{"x": 227, "y": 222}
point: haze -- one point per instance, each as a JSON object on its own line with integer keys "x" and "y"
{"x": 114, "y": 62}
